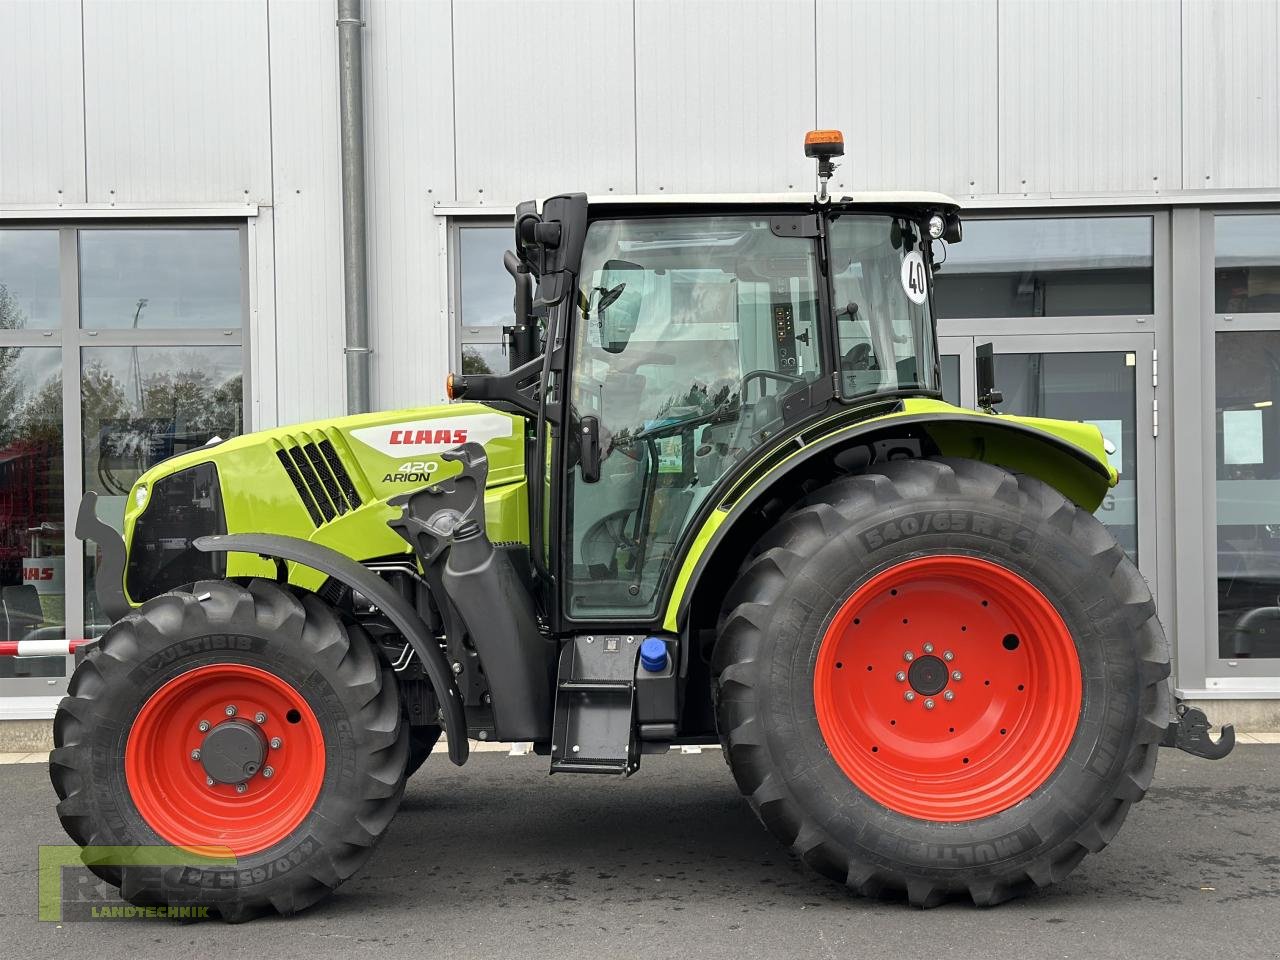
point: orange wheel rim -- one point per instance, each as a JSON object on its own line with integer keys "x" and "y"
{"x": 948, "y": 688}
{"x": 225, "y": 755}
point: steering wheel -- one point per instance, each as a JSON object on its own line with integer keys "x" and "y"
{"x": 605, "y": 538}
{"x": 858, "y": 357}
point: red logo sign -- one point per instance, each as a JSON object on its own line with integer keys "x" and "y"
{"x": 445, "y": 435}
{"x": 37, "y": 573}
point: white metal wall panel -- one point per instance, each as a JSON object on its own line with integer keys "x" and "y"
{"x": 724, "y": 94}
{"x": 307, "y": 219}
{"x": 913, "y": 86}
{"x": 409, "y": 168}
{"x": 176, "y": 105}
{"x": 41, "y": 109}
{"x": 1231, "y": 94}
{"x": 1088, "y": 96}
{"x": 545, "y": 98}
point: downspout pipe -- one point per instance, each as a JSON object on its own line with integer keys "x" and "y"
{"x": 355, "y": 276}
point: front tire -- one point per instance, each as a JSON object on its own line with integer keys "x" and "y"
{"x": 244, "y": 718}
{"x": 941, "y": 679}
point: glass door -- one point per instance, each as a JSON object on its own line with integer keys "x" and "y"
{"x": 1103, "y": 379}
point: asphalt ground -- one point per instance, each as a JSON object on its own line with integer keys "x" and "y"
{"x": 498, "y": 860}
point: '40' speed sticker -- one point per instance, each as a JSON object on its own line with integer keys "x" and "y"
{"x": 913, "y": 277}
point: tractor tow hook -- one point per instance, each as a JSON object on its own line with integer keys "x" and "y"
{"x": 1189, "y": 732}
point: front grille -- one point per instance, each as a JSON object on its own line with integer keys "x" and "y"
{"x": 180, "y": 507}
{"x": 320, "y": 478}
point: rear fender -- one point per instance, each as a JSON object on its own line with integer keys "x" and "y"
{"x": 1069, "y": 456}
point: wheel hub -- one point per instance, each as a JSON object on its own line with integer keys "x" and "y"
{"x": 928, "y": 676}
{"x": 233, "y": 751}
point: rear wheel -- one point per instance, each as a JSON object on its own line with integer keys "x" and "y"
{"x": 241, "y": 721}
{"x": 941, "y": 679}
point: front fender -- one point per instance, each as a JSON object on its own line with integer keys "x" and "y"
{"x": 371, "y": 586}
{"x": 1067, "y": 455}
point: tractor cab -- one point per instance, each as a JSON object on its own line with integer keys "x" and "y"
{"x": 682, "y": 339}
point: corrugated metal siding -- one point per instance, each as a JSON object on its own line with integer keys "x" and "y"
{"x": 1088, "y": 96}
{"x": 176, "y": 106}
{"x": 1230, "y": 94}
{"x": 545, "y": 98}
{"x": 307, "y": 218}
{"x": 913, "y": 87}
{"x": 410, "y": 157}
{"x": 724, "y": 94}
{"x": 41, "y": 111}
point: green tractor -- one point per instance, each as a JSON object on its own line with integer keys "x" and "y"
{"x": 716, "y": 499}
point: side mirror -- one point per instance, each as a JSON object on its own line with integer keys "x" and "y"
{"x": 618, "y": 306}
{"x": 953, "y": 232}
{"x": 988, "y": 395}
{"x": 522, "y": 345}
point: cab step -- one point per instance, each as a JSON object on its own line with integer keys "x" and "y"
{"x": 594, "y": 730}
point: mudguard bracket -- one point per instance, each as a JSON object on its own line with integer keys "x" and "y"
{"x": 371, "y": 586}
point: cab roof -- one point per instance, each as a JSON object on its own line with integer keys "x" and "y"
{"x": 871, "y": 198}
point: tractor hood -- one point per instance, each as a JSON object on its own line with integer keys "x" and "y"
{"x": 327, "y": 481}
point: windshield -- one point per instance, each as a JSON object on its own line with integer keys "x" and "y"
{"x": 690, "y": 332}
{"x": 881, "y": 302}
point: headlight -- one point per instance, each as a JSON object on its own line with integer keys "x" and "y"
{"x": 936, "y": 226}
{"x": 140, "y": 496}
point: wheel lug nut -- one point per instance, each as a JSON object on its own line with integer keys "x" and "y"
{"x": 204, "y": 726}
{"x": 948, "y": 656}
{"x": 259, "y": 717}
{"x": 208, "y": 781}
{"x": 909, "y": 695}
{"x": 928, "y": 648}
{"x": 276, "y": 743}
{"x": 241, "y": 788}
{"x": 908, "y": 656}
{"x": 957, "y": 675}
{"x": 268, "y": 772}
{"x": 929, "y": 704}
{"x": 949, "y": 695}
{"x": 195, "y": 754}
{"x": 900, "y": 676}
{"x": 231, "y": 710}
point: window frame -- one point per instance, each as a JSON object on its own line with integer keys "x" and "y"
{"x": 1256, "y": 675}
{"x": 459, "y": 335}
{"x": 71, "y": 339}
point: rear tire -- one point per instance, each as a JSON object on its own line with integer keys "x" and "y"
{"x": 868, "y": 780}
{"x": 314, "y": 698}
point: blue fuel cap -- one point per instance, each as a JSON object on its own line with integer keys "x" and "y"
{"x": 653, "y": 654}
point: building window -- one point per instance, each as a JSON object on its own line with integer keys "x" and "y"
{"x": 1246, "y": 275}
{"x": 154, "y": 348}
{"x": 483, "y": 294}
{"x": 1247, "y": 434}
{"x": 1061, "y": 267}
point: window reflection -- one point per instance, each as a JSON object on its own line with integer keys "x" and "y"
{"x": 141, "y": 405}
{"x": 1098, "y": 388}
{"x": 1248, "y": 493}
{"x": 29, "y": 295}
{"x": 1063, "y": 267}
{"x": 1246, "y": 264}
{"x": 32, "y": 536}
{"x": 483, "y": 358}
{"x": 485, "y": 287}
{"x": 160, "y": 279}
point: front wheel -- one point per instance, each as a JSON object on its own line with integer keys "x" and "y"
{"x": 248, "y": 723}
{"x": 941, "y": 679}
